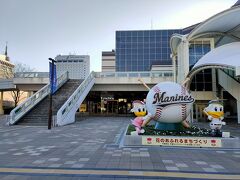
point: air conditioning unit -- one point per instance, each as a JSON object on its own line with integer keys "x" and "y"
{"x": 237, "y": 71}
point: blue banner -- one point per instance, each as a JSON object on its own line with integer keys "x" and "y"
{"x": 53, "y": 77}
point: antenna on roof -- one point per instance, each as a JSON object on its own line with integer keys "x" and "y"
{"x": 6, "y": 52}
{"x": 6, "y": 49}
{"x": 151, "y": 24}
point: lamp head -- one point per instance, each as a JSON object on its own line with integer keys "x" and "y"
{"x": 51, "y": 59}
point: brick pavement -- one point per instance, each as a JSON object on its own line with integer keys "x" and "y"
{"x": 93, "y": 143}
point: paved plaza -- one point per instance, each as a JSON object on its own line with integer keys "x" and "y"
{"x": 89, "y": 149}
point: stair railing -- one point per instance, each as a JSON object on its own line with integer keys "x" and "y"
{"x": 66, "y": 114}
{"x": 29, "y": 103}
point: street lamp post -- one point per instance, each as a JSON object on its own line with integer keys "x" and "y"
{"x": 50, "y": 94}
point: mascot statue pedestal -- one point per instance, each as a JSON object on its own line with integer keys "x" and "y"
{"x": 169, "y": 126}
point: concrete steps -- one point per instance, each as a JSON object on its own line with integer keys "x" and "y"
{"x": 38, "y": 116}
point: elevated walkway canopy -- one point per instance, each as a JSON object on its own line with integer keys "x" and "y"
{"x": 224, "y": 27}
{"x": 223, "y": 57}
{"x": 222, "y": 31}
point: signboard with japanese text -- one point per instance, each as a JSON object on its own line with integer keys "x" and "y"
{"x": 181, "y": 141}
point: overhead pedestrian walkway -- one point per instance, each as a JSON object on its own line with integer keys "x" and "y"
{"x": 72, "y": 93}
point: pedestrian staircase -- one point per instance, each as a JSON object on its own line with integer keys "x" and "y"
{"x": 38, "y": 116}
{"x": 66, "y": 114}
{"x": 231, "y": 84}
{"x": 66, "y": 101}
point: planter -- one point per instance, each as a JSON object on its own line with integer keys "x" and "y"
{"x": 180, "y": 141}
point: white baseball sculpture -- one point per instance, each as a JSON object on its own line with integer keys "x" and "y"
{"x": 169, "y": 102}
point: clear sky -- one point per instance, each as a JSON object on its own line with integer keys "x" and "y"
{"x": 38, "y": 29}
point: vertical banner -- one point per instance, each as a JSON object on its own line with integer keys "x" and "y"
{"x": 53, "y": 77}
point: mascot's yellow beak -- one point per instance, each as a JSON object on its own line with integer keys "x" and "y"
{"x": 215, "y": 114}
{"x": 140, "y": 114}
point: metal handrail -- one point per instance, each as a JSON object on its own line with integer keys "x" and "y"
{"x": 72, "y": 100}
{"x": 152, "y": 74}
{"x": 190, "y": 75}
{"x": 31, "y": 75}
{"x": 29, "y": 103}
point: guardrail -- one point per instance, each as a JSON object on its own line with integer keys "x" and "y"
{"x": 31, "y": 75}
{"x": 231, "y": 73}
{"x": 66, "y": 114}
{"x": 150, "y": 74}
{"x": 29, "y": 103}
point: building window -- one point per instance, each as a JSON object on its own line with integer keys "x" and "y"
{"x": 202, "y": 81}
{"x": 150, "y": 46}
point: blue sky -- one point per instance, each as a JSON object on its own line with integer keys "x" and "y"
{"x": 38, "y": 29}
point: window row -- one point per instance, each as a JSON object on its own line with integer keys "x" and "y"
{"x": 142, "y": 39}
{"x": 147, "y": 55}
{"x": 133, "y": 68}
{"x": 143, "y": 50}
{"x": 147, "y": 33}
{"x": 201, "y": 86}
{"x": 141, "y": 45}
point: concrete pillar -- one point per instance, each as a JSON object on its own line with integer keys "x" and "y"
{"x": 1, "y": 102}
{"x": 214, "y": 83}
{"x": 174, "y": 68}
{"x": 185, "y": 56}
{"x": 238, "y": 111}
{"x": 183, "y": 60}
{"x": 196, "y": 110}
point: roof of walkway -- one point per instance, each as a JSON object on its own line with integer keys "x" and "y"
{"x": 224, "y": 27}
{"x": 224, "y": 57}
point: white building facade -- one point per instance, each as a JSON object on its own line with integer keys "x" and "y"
{"x": 218, "y": 78}
{"x": 78, "y": 66}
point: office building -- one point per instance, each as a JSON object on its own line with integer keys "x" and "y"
{"x": 108, "y": 61}
{"x": 137, "y": 50}
{"x": 78, "y": 66}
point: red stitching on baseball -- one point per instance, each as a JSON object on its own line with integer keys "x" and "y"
{"x": 183, "y": 106}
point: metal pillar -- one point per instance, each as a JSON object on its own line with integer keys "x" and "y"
{"x": 1, "y": 103}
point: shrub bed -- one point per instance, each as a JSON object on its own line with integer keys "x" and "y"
{"x": 192, "y": 131}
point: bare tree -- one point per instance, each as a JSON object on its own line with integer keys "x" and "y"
{"x": 17, "y": 96}
{"x": 20, "y": 68}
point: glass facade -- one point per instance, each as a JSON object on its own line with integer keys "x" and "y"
{"x": 137, "y": 50}
{"x": 197, "y": 49}
{"x": 202, "y": 81}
